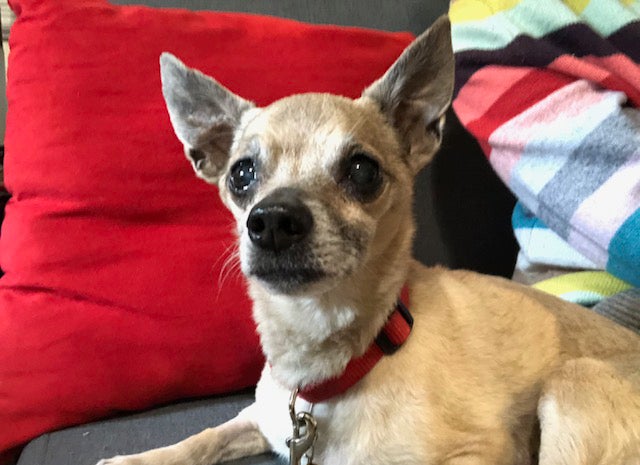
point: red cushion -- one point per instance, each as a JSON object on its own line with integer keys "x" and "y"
{"x": 113, "y": 251}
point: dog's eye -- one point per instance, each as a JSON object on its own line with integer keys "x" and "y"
{"x": 242, "y": 175}
{"x": 363, "y": 177}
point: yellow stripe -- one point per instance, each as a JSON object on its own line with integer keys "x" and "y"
{"x": 476, "y": 10}
{"x": 577, "y": 6}
{"x": 600, "y": 282}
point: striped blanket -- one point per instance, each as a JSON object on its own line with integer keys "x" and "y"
{"x": 551, "y": 90}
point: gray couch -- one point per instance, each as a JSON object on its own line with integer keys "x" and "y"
{"x": 463, "y": 214}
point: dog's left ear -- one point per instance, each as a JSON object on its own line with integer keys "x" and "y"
{"x": 416, "y": 91}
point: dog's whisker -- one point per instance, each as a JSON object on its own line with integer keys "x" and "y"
{"x": 230, "y": 265}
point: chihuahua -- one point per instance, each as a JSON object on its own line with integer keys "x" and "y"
{"x": 457, "y": 369}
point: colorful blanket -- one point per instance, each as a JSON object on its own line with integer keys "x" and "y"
{"x": 551, "y": 90}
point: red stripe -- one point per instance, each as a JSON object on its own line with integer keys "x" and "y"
{"x": 525, "y": 93}
{"x": 616, "y": 72}
{"x": 483, "y": 89}
{"x": 615, "y": 83}
{"x": 486, "y": 147}
{"x": 620, "y": 65}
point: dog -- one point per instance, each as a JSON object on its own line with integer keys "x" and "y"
{"x": 479, "y": 370}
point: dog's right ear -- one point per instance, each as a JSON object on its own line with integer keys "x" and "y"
{"x": 416, "y": 91}
{"x": 204, "y": 115}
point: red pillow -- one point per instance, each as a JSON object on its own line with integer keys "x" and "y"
{"x": 120, "y": 290}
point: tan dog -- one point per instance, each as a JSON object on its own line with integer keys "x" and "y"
{"x": 322, "y": 189}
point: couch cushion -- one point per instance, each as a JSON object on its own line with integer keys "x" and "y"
{"x": 86, "y": 444}
{"x": 113, "y": 251}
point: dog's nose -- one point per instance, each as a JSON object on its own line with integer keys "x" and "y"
{"x": 279, "y": 220}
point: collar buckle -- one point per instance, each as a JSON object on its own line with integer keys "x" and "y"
{"x": 390, "y": 342}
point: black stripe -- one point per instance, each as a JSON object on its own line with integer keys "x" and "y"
{"x": 627, "y": 40}
{"x": 576, "y": 39}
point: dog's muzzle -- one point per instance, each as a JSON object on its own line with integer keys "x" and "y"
{"x": 280, "y": 228}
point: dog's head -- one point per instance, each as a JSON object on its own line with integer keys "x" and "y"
{"x": 320, "y": 185}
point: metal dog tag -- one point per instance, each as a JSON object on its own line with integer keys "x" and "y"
{"x": 305, "y": 433}
{"x": 303, "y": 439}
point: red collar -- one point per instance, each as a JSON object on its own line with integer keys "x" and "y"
{"x": 388, "y": 341}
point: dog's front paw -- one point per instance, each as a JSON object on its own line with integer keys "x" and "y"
{"x": 123, "y": 460}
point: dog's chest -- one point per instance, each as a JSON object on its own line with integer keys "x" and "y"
{"x": 352, "y": 430}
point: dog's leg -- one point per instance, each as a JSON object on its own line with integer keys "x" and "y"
{"x": 590, "y": 413}
{"x": 239, "y": 437}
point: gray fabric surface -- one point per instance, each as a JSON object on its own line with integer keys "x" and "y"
{"x": 623, "y": 308}
{"x": 86, "y": 444}
{"x": 392, "y": 15}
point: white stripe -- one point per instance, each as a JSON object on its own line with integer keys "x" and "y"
{"x": 542, "y": 246}
{"x": 610, "y": 205}
{"x": 528, "y": 150}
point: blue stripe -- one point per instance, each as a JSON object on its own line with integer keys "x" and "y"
{"x": 523, "y": 218}
{"x": 624, "y": 251}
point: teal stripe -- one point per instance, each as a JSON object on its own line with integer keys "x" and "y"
{"x": 535, "y": 18}
{"x": 523, "y": 218}
{"x": 606, "y": 16}
{"x": 624, "y": 251}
